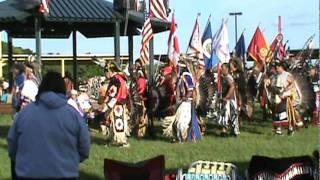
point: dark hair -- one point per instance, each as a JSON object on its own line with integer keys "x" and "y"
{"x": 30, "y": 65}
{"x": 225, "y": 65}
{"x": 20, "y": 67}
{"x": 52, "y": 81}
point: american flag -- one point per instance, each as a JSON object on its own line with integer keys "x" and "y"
{"x": 173, "y": 43}
{"x": 44, "y": 6}
{"x": 147, "y": 35}
{"x": 158, "y": 10}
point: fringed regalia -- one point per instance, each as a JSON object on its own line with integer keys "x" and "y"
{"x": 287, "y": 100}
{"x": 117, "y": 113}
{"x": 119, "y": 124}
{"x": 138, "y": 91}
{"x": 261, "y": 168}
{"x": 183, "y": 119}
{"x": 228, "y": 113}
{"x": 316, "y": 89}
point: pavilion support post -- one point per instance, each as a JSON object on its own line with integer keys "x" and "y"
{"x": 1, "y": 60}
{"x": 10, "y": 60}
{"x": 37, "y": 29}
{"x": 150, "y": 83}
{"x": 151, "y": 62}
{"x": 130, "y": 45}
{"x": 75, "y": 64}
{"x": 63, "y": 69}
{"x": 117, "y": 41}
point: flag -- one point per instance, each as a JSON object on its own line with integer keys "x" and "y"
{"x": 240, "y": 50}
{"x": 147, "y": 35}
{"x": 258, "y": 48}
{"x": 195, "y": 40}
{"x": 44, "y": 7}
{"x": 173, "y": 43}
{"x": 277, "y": 47}
{"x": 207, "y": 45}
{"x": 158, "y": 10}
{"x": 220, "y": 45}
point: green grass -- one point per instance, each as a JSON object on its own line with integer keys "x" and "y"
{"x": 256, "y": 138}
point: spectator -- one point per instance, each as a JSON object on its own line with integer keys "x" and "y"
{"x": 30, "y": 86}
{"x": 74, "y": 102}
{"x": 18, "y": 71}
{"x": 4, "y": 94}
{"x": 48, "y": 138}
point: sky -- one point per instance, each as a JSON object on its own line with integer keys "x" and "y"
{"x": 300, "y": 19}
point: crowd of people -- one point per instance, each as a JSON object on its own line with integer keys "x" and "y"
{"x": 124, "y": 104}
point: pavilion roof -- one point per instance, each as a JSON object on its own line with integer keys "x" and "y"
{"x": 93, "y": 18}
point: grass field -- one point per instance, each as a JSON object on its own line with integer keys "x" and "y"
{"x": 256, "y": 138}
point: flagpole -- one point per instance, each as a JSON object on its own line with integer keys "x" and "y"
{"x": 236, "y": 14}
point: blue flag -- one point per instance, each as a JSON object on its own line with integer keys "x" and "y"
{"x": 240, "y": 50}
{"x": 207, "y": 45}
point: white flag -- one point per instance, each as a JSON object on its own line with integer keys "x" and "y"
{"x": 220, "y": 44}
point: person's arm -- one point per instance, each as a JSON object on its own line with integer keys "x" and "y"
{"x": 13, "y": 139}
{"x": 111, "y": 95}
{"x": 287, "y": 90}
{"x": 84, "y": 140}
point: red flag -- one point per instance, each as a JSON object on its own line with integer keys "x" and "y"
{"x": 258, "y": 48}
{"x": 173, "y": 43}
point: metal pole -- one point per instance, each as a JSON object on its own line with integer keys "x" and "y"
{"x": 117, "y": 41}
{"x": 130, "y": 45}
{"x": 1, "y": 45}
{"x": 236, "y": 27}
{"x": 75, "y": 63}
{"x": 151, "y": 62}
{"x": 1, "y": 60}
{"x": 10, "y": 59}
{"x": 150, "y": 84}
{"x": 37, "y": 29}
{"x": 236, "y": 14}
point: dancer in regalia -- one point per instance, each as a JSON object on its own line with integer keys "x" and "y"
{"x": 138, "y": 97}
{"x": 240, "y": 83}
{"x": 184, "y": 121}
{"x": 314, "y": 77}
{"x": 116, "y": 113}
{"x": 286, "y": 101}
{"x": 228, "y": 116}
